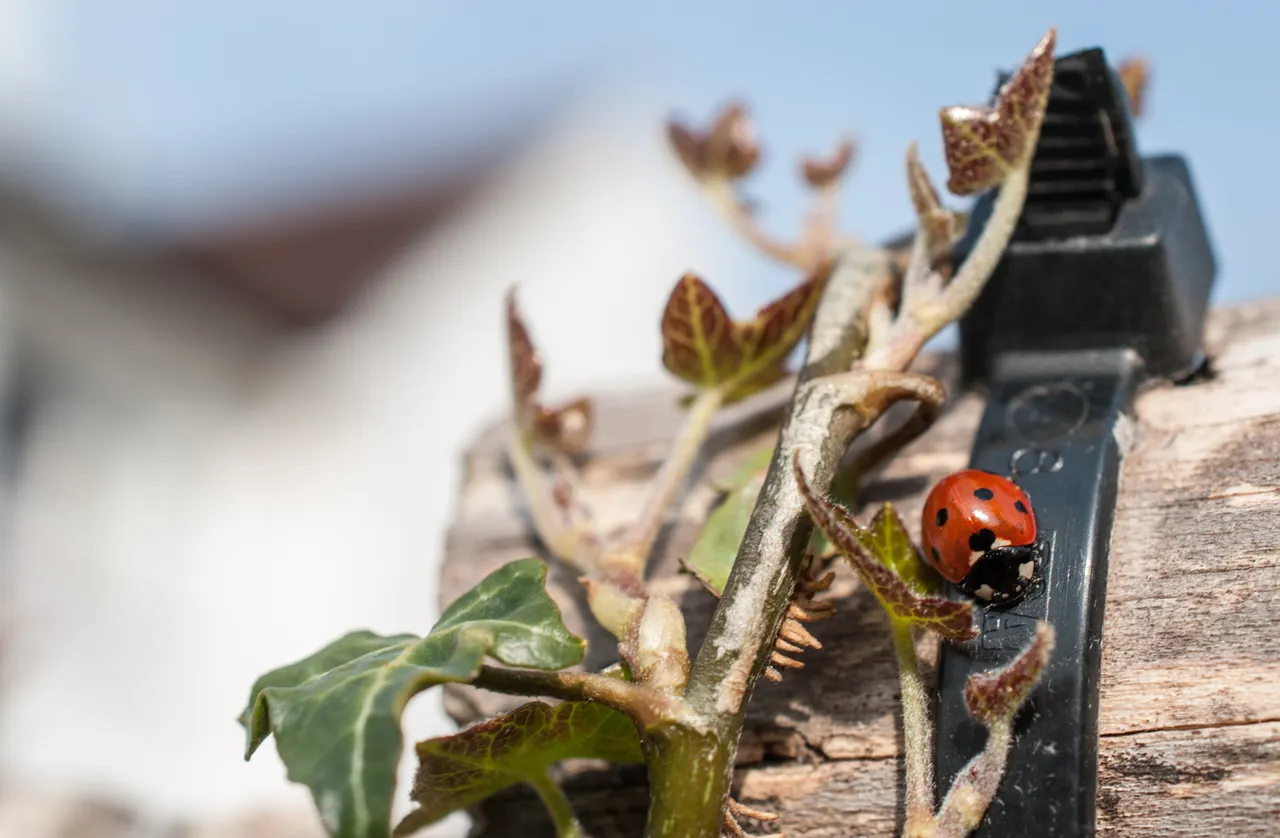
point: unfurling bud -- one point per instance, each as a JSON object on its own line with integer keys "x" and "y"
{"x": 821, "y": 172}
{"x": 936, "y": 222}
{"x": 996, "y": 696}
{"x": 656, "y": 646}
{"x": 983, "y": 144}
{"x": 727, "y": 149}
{"x": 566, "y": 428}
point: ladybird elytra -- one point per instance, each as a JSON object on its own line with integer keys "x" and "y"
{"x": 978, "y": 530}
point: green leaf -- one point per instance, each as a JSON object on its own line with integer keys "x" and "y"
{"x": 458, "y": 771}
{"x": 712, "y": 555}
{"x": 887, "y": 539}
{"x": 336, "y": 714}
{"x": 755, "y": 466}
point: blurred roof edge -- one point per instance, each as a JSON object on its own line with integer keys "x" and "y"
{"x": 306, "y": 254}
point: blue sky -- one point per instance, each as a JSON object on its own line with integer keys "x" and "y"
{"x": 157, "y": 106}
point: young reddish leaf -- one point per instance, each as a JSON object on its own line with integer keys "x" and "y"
{"x": 938, "y": 224}
{"x": 566, "y": 427}
{"x": 950, "y": 619}
{"x": 526, "y": 365}
{"x": 983, "y": 144}
{"x": 844, "y": 491}
{"x": 1135, "y": 74}
{"x": 458, "y": 771}
{"x": 769, "y": 337}
{"x": 726, "y": 150}
{"x": 996, "y": 696}
{"x": 703, "y": 346}
{"x": 821, "y": 172}
{"x": 697, "y": 334}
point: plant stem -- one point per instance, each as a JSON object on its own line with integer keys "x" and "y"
{"x": 553, "y": 797}
{"x": 819, "y": 238}
{"x": 691, "y": 772}
{"x": 648, "y": 707}
{"x": 917, "y": 733}
{"x": 927, "y": 317}
{"x": 565, "y": 538}
{"x": 976, "y": 786}
{"x": 819, "y": 428}
{"x": 764, "y": 573}
{"x": 629, "y": 556}
{"x": 687, "y": 797}
{"x": 723, "y": 196}
{"x": 997, "y": 230}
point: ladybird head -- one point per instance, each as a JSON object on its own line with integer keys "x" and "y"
{"x": 1003, "y": 575}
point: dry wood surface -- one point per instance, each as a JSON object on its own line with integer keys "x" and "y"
{"x": 1190, "y": 704}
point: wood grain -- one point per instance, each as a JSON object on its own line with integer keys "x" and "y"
{"x": 1190, "y": 704}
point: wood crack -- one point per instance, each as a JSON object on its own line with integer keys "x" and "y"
{"x": 1217, "y": 725}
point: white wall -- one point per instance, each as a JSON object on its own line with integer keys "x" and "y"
{"x": 204, "y": 498}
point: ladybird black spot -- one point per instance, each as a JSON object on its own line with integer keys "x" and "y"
{"x": 981, "y": 541}
{"x": 936, "y": 556}
{"x": 1020, "y": 506}
{"x": 983, "y": 494}
{"x": 941, "y": 517}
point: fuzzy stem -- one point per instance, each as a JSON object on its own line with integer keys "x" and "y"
{"x": 976, "y": 786}
{"x": 630, "y": 555}
{"x": 565, "y": 538}
{"x": 915, "y": 279}
{"x": 819, "y": 237}
{"x": 917, "y": 733}
{"x": 926, "y": 317}
{"x": 646, "y": 706}
{"x": 723, "y": 196}
{"x": 553, "y": 797}
{"x": 987, "y": 251}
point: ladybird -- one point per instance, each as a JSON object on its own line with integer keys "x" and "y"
{"x": 979, "y": 532}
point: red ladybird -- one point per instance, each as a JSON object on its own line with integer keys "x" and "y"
{"x": 979, "y": 532}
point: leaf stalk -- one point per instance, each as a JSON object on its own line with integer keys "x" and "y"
{"x": 630, "y": 554}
